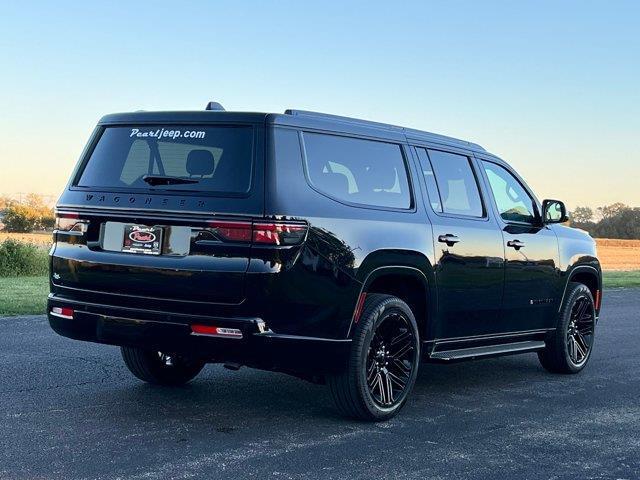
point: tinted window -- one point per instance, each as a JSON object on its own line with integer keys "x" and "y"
{"x": 210, "y": 159}
{"x": 513, "y": 201}
{"x": 358, "y": 171}
{"x": 430, "y": 179}
{"x": 456, "y": 184}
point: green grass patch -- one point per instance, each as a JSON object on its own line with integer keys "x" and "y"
{"x": 621, "y": 279}
{"x": 23, "y": 295}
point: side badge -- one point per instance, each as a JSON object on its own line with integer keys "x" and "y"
{"x": 540, "y": 301}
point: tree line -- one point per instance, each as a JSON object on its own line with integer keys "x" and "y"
{"x": 611, "y": 221}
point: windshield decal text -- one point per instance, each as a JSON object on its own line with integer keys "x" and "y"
{"x": 163, "y": 133}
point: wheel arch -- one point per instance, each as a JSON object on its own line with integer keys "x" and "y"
{"x": 407, "y": 282}
{"x": 589, "y": 276}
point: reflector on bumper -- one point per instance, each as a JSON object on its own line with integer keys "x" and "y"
{"x": 62, "y": 312}
{"x": 212, "y": 331}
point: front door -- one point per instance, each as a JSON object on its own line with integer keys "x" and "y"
{"x": 533, "y": 286}
{"x": 469, "y": 253}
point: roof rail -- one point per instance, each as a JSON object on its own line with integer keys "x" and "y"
{"x": 338, "y": 118}
{"x": 410, "y": 132}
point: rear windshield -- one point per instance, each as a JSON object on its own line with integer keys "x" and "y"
{"x": 172, "y": 157}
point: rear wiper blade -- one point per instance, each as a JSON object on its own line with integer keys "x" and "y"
{"x": 166, "y": 180}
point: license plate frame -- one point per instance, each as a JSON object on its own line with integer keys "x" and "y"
{"x": 142, "y": 239}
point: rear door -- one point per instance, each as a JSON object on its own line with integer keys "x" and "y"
{"x": 469, "y": 255}
{"x": 162, "y": 212}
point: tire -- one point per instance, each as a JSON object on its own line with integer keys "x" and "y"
{"x": 383, "y": 361}
{"x": 569, "y": 349}
{"x": 159, "y": 368}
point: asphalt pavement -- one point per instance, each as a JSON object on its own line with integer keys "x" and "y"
{"x": 71, "y": 410}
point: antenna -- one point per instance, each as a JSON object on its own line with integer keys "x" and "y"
{"x": 215, "y": 106}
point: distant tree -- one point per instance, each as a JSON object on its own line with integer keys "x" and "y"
{"x": 31, "y": 214}
{"x": 610, "y": 211}
{"x": 625, "y": 223}
{"x": 5, "y": 202}
{"x": 19, "y": 218}
{"x": 582, "y": 215}
{"x": 36, "y": 201}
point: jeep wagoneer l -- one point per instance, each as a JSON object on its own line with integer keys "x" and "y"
{"x": 337, "y": 250}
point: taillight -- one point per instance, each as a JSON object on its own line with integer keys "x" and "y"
{"x": 232, "y": 231}
{"x": 278, "y": 233}
{"x": 70, "y": 222}
{"x": 275, "y": 233}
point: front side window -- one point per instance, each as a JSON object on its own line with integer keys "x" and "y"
{"x": 357, "y": 171}
{"x": 513, "y": 201}
{"x": 457, "y": 185}
{"x": 171, "y": 157}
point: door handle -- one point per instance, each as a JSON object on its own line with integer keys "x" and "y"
{"x": 449, "y": 239}
{"x": 517, "y": 244}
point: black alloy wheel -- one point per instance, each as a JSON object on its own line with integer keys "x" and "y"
{"x": 580, "y": 331}
{"x": 570, "y": 346}
{"x": 390, "y": 360}
{"x": 383, "y": 362}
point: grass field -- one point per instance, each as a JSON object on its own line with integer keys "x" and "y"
{"x": 23, "y": 295}
{"x": 28, "y": 295}
{"x": 621, "y": 279}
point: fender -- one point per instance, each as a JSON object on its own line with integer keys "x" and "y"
{"x": 579, "y": 268}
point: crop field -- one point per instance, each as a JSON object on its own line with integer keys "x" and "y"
{"x": 40, "y": 239}
{"x": 619, "y": 255}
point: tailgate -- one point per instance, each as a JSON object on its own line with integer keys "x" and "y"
{"x": 195, "y": 260}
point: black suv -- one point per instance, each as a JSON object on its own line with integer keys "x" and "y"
{"x": 337, "y": 250}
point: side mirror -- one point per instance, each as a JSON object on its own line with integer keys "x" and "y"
{"x": 554, "y": 211}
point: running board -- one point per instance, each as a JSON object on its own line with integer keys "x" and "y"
{"x": 488, "y": 351}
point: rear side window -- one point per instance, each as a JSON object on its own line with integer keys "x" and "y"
{"x": 358, "y": 171}
{"x": 430, "y": 179}
{"x": 457, "y": 185}
{"x": 170, "y": 157}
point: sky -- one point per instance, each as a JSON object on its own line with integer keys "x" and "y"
{"x": 551, "y": 87}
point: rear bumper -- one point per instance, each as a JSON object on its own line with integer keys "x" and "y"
{"x": 171, "y": 332}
